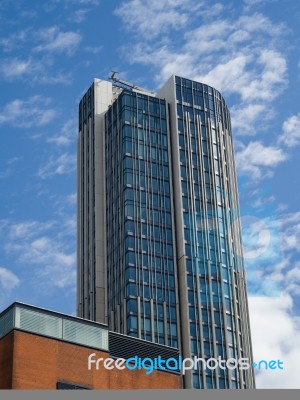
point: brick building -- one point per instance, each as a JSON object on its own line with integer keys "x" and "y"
{"x": 41, "y": 349}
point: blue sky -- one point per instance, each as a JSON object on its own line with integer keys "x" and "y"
{"x": 50, "y": 52}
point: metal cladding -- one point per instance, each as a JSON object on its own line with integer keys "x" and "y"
{"x": 159, "y": 239}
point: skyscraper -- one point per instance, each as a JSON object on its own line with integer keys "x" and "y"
{"x": 159, "y": 241}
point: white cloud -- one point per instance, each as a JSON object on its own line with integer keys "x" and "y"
{"x": 256, "y": 159}
{"x": 69, "y": 4}
{"x": 167, "y": 62}
{"x": 29, "y": 14}
{"x": 153, "y": 17}
{"x": 275, "y": 336}
{"x": 292, "y": 280}
{"x": 32, "y": 70}
{"x": 5, "y": 173}
{"x": 258, "y": 237}
{"x": 78, "y": 16}
{"x": 66, "y": 136}
{"x": 56, "y": 266}
{"x": 230, "y": 77}
{"x": 72, "y": 198}
{"x": 27, "y": 113}
{"x": 15, "y": 68}
{"x": 79, "y": 2}
{"x": 272, "y": 78}
{"x": 244, "y": 116}
{"x": 10, "y": 167}
{"x": 8, "y": 280}
{"x": 291, "y": 131}
{"x": 41, "y": 244}
{"x": 93, "y": 49}
{"x": 63, "y": 164}
{"x": 271, "y": 249}
{"x": 48, "y": 79}
{"x": 54, "y": 40}
{"x": 37, "y": 66}
{"x": 263, "y": 200}
{"x": 290, "y": 225}
{"x": 239, "y": 54}
{"x": 28, "y": 229}
{"x": 42, "y": 249}
{"x": 213, "y": 10}
{"x": 263, "y": 255}
{"x": 87, "y": 2}
{"x": 14, "y": 41}
{"x": 14, "y": 160}
{"x": 253, "y": 3}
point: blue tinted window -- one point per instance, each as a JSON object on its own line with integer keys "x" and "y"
{"x": 132, "y": 306}
{"x": 132, "y": 322}
{"x": 193, "y": 329}
{"x": 219, "y": 334}
{"x": 196, "y": 381}
{"x": 132, "y": 289}
{"x": 131, "y": 273}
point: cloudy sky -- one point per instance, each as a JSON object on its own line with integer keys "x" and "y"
{"x": 50, "y": 52}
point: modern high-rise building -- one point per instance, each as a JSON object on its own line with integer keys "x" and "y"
{"x": 159, "y": 238}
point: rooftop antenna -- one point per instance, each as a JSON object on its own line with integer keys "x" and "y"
{"x": 114, "y": 77}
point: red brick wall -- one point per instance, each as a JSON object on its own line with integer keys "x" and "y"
{"x": 38, "y": 363}
{"x": 6, "y": 361}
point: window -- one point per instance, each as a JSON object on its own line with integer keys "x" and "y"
{"x": 184, "y": 187}
{"x": 132, "y": 306}
{"x": 173, "y": 313}
{"x": 181, "y": 139}
{"x": 173, "y": 330}
{"x": 132, "y": 322}
{"x": 159, "y": 311}
{"x": 146, "y": 292}
{"x": 230, "y": 337}
{"x": 218, "y": 334}
{"x": 178, "y": 92}
{"x": 172, "y": 297}
{"x": 205, "y": 332}
{"x": 130, "y": 257}
{"x": 131, "y": 273}
{"x": 217, "y": 318}
{"x": 160, "y": 327}
{"x": 180, "y": 125}
{"x": 194, "y": 346}
{"x": 226, "y": 289}
{"x": 147, "y": 324}
{"x": 209, "y": 382}
{"x": 60, "y": 385}
{"x": 193, "y": 329}
{"x": 204, "y": 316}
{"x": 179, "y": 110}
{"x": 129, "y": 242}
{"x": 229, "y": 321}
{"x": 191, "y": 297}
{"x": 222, "y": 384}
{"x": 190, "y": 283}
{"x": 207, "y": 350}
{"x": 196, "y": 382}
{"x": 131, "y": 289}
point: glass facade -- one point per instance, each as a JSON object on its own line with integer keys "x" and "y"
{"x": 172, "y": 268}
{"x": 207, "y": 214}
{"x": 140, "y": 247}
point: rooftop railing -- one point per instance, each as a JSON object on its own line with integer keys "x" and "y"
{"x": 54, "y": 325}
